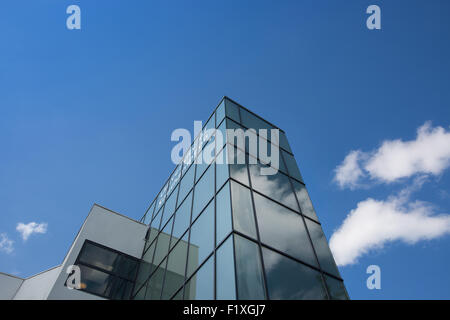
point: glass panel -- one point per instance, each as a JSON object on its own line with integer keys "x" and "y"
{"x": 182, "y": 219}
{"x": 222, "y": 129}
{"x": 162, "y": 197}
{"x": 222, "y": 173}
{"x": 204, "y": 191}
{"x": 186, "y": 183}
{"x": 336, "y": 289}
{"x": 119, "y": 289}
{"x": 306, "y": 206}
{"x": 174, "y": 179}
{"x": 99, "y": 257}
{"x": 95, "y": 281}
{"x": 202, "y": 238}
{"x": 251, "y": 121}
{"x": 220, "y": 113}
{"x": 292, "y": 166}
{"x": 201, "y": 285}
{"x": 322, "y": 250}
{"x": 155, "y": 283}
{"x": 127, "y": 267}
{"x": 249, "y": 274}
{"x": 283, "y": 229}
{"x": 179, "y": 295}
{"x": 232, "y": 110}
{"x": 223, "y": 213}
{"x": 169, "y": 208}
{"x": 162, "y": 245}
{"x": 175, "y": 269}
{"x": 238, "y": 171}
{"x": 207, "y": 132}
{"x": 284, "y": 142}
{"x": 140, "y": 295}
{"x": 149, "y": 213}
{"x": 290, "y": 280}
{"x": 243, "y": 217}
{"x": 275, "y": 186}
{"x": 225, "y": 281}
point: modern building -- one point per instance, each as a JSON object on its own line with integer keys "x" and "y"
{"x": 220, "y": 229}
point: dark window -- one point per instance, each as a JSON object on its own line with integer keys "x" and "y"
{"x": 106, "y": 272}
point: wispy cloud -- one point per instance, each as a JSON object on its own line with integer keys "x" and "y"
{"x": 429, "y": 154}
{"x": 26, "y": 230}
{"x": 376, "y": 222}
{"x": 6, "y": 244}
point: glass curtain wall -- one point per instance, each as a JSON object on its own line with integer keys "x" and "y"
{"x": 227, "y": 231}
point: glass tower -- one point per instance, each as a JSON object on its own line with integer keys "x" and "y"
{"x": 223, "y": 230}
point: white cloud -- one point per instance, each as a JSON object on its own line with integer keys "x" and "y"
{"x": 376, "y": 222}
{"x": 6, "y": 244}
{"x": 26, "y": 230}
{"x": 349, "y": 172}
{"x": 429, "y": 153}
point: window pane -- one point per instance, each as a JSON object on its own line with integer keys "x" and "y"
{"x": 284, "y": 142}
{"x": 148, "y": 215}
{"x": 290, "y": 280}
{"x": 204, "y": 191}
{"x": 222, "y": 173}
{"x": 225, "y": 282}
{"x": 238, "y": 171}
{"x": 169, "y": 208}
{"x": 155, "y": 283}
{"x": 251, "y": 121}
{"x": 292, "y": 166}
{"x": 202, "y": 238}
{"x": 201, "y": 285}
{"x": 162, "y": 244}
{"x": 182, "y": 219}
{"x": 175, "y": 269}
{"x": 243, "y": 217}
{"x": 99, "y": 257}
{"x": 223, "y": 213}
{"x": 283, "y": 229}
{"x": 95, "y": 281}
{"x": 249, "y": 274}
{"x": 220, "y": 113}
{"x": 232, "y": 110}
{"x": 322, "y": 250}
{"x": 336, "y": 289}
{"x": 275, "y": 186}
{"x": 127, "y": 267}
{"x": 306, "y": 206}
{"x": 186, "y": 183}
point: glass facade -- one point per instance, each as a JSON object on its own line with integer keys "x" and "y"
{"x": 226, "y": 230}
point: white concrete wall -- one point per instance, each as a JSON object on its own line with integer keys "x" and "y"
{"x": 8, "y": 286}
{"x": 109, "y": 229}
{"x": 38, "y": 287}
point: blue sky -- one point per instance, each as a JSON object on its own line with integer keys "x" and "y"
{"x": 86, "y": 115}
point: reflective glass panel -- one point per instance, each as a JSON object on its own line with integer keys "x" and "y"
{"x": 99, "y": 257}
{"x": 243, "y": 217}
{"x": 186, "y": 183}
{"x": 283, "y": 229}
{"x": 232, "y": 110}
{"x": 238, "y": 165}
{"x": 222, "y": 173}
{"x": 201, "y": 285}
{"x": 155, "y": 283}
{"x": 162, "y": 244}
{"x": 250, "y": 282}
{"x": 225, "y": 277}
{"x": 290, "y": 280}
{"x": 292, "y": 166}
{"x": 175, "y": 269}
{"x": 182, "y": 219}
{"x": 220, "y": 113}
{"x": 202, "y": 238}
{"x": 276, "y": 186}
{"x": 306, "y": 206}
{"x": 204, "y": 191}
{"x": 336, "y": 289}
{"x": 169, "y": 208}
{"x": 322, "y": 250}
{"x": 223, "y": 213}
